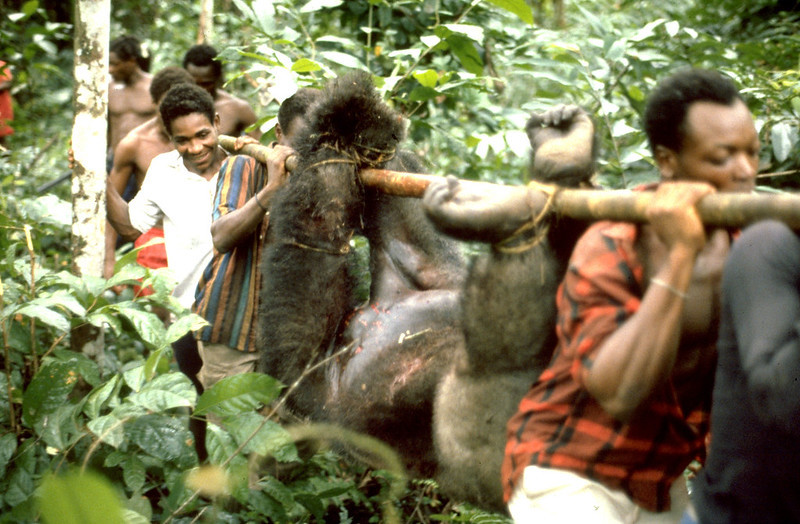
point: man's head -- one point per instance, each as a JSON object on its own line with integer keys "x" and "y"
{"x": 187, "y": 112}
{"x": 699, "y": 128}
{"x": 200, "y": 62}
{"x": 125, "y": 58}
{"x": 292, "y": 113}
{"x": 167, "y": 78}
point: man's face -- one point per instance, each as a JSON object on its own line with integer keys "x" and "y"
{"x": 720, "y": 147}
{"x": 121, "y": 70}
{"x": 195, "y": 139}
{"x": 204, "y": 77}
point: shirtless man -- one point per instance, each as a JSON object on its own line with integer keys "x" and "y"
{"x": 235, "y": 115}
{"x": 133, "y": 155}
{"x": 129, "y": 102}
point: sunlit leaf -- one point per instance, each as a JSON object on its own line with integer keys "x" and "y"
{"x": 79, "y": 498}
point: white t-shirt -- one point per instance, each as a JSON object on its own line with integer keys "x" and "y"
{"x": 183, "y": 200}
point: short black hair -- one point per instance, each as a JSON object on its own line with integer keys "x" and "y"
{"x": 296, "y": 106}
{"x": 130, "y": 48}
{"x": 166, "y": 78}
{"x": 202, "y": 55}
{"x": 185, "y": 99}
{"x": 668, "y": 105}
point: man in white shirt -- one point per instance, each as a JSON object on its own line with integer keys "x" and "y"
{"x": 178, "y": 188}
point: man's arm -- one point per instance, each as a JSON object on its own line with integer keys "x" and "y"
{"x": 640, "y": 355}
{"x": 118, "y": 215}
{"x": 124, "y": 163}
{"x": 229, "y": 229}
{"x": 760, "y": 284}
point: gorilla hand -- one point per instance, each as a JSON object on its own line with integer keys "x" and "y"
{"x": 563, "y": 145}
{"x": 476, "y": 211}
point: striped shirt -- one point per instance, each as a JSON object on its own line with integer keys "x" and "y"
{"x": 560, "y": 425}
{"x": 228, "y": 293}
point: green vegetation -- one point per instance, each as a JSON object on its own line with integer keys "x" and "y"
{"x": 466, "y": 74}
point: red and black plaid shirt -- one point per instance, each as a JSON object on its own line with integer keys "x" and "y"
{"x": 560, "y": 425}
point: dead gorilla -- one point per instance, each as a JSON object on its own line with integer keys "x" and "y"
{"x": 409, "y": 348}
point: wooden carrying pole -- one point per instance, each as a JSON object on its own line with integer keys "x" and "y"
{"x": 721, "y": 209}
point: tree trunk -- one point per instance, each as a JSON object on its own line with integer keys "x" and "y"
{"x": 205, "y": 29}
{"x": 89, "y": 130}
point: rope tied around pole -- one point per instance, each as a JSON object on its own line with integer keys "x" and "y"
{"x": 509, "y": 245}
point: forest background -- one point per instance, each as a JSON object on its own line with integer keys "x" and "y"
{"x": 466, "y": 74}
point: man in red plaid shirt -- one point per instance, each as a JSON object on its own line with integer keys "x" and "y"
{"x": 606, "y": 432}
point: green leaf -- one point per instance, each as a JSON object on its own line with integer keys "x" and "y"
{"x": 420, "y": 94}
{"x": 98, "y": 397}
{"x": 465, "y": 52}
{"x": 133, "y": 471}
{"x": 219, "y": 444}
{"x": 184, "y": 324}
{"x": 48, "y": 390}
{"x": 278, "y": 491}
{"x": 427, "y": 78}
{"x": 343, "y": 59}
{"x": 304, "y": 65}
{"x": 268, "y": 507}
{"x": 8, "y": 445}
{"x": 165, "y": 392}
{"x": 146, "y": 324}
{"x": 520, "y": 8}
{"x": 238, "y": 394}
{"x": 263, "y": 437}
{"x": 473, "y": 32}
{"x": 781, "y": 134}
{"x": 316, "y": 5}
{"x": 46, "y": 315}
{"x": 108, "y": 428}
{"x": 85, "y": 498}
{"x": 156, "y": 363}
{"x": 163, "y": 437}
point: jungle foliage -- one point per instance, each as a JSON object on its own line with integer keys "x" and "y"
{"x": 109, "y": 436}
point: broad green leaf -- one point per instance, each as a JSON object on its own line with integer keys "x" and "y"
{"x": 343, "y": 59}
{"x": 48, "y": 390}
{"x": 134, "y": 377}
{"x": 134, "y": 517}
{"x": 268, "y": 507}
{"x": 520, "y": 8}
{"x": 316, "y": 5}
{"x": 420, "y": 94}
{"x": 781, "y": 135}
{"x": 219, "y": 444}
{"x": 796, "y": 105}
{"x": 518, "y": 143}
{"x": 304, "y": 65}
{"x": 146, "y": 324}
{"x": 473, "y": 32}
{"x": 46, "y": 315}
{"x": 165, "y": 392}
{"x": 264, "y": 437}
{"x": 8, "y": 446}
{"x": 278, "y": 491}
{"x": 108, "y": 428}
{"x": 133, "y": 471}
{"x": 465, "y": 51}
{"x": 163, "y": 437}
{"x": 85, "y": 498}
{"x": 672, "y": 27}
{"x": 428, "y": 40}
{"x": 427, "y": 78}
{"x": 156, "y": 363}
{"x": 97, "y": 399}
{"x": 238, "y": 394}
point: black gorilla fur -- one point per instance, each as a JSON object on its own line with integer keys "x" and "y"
{"x": 427, "y": 338}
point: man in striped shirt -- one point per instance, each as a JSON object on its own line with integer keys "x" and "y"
{"x": 605, "y": 433}
{"x": 228, "y": 293}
